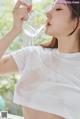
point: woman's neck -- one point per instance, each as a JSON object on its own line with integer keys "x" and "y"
{"x": 69, "y": 45}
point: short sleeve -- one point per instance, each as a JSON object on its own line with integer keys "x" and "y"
{"x": 22, "y": 56}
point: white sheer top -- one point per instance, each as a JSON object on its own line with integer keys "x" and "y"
{"x": 50, "y": 81}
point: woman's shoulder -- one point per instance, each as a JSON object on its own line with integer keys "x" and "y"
{"x": 39, "y": 51}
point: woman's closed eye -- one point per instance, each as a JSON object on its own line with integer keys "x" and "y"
{"x": 58, "y": 9}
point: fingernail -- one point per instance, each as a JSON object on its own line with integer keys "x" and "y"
{"x": 29, "y": 9}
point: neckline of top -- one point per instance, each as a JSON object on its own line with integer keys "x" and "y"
{"x": 66, "y": 55}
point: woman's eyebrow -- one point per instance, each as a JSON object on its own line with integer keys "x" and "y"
{"x": 61, "y": 4}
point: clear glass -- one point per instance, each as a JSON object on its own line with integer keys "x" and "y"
{"x": 34, "y": 28}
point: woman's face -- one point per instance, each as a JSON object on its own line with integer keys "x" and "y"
{"x": 59, "y": 22}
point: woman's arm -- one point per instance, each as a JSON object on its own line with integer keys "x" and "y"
{"x": 18, "y": 14}
{"x": 7, "y": 40}
{"x": 7, "y": 65}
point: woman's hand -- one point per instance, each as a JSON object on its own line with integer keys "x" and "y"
{"x": 20, "y": 14}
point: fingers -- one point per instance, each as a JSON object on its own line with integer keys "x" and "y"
{"x": 17, "y": 4}
{"x": 25, "y": 15}
{"x": 29, "y": 9}
{"x": 23, "y": 2}
{"x": 23, "y": 11}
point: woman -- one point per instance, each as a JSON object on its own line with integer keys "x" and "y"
{"x": 49, "y": 87}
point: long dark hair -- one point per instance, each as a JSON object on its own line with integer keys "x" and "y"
{"x": 74, "y": 6}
